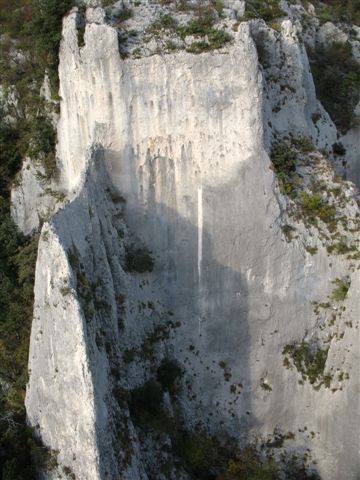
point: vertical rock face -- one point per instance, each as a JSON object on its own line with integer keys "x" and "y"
{"x": 181, "y": 139}
{"x": 61, "y": 401}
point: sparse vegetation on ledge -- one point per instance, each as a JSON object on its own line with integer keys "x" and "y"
{"x": 315, "y": 196}
{"x": 309, "y": 361}
{"x": 268, "y": 10}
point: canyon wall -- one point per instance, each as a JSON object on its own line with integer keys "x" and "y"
{"x": 171, "y": 153}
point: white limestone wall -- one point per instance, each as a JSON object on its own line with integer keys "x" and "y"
{"x": 183, "y": 139}
{"x": 60, "y": 395}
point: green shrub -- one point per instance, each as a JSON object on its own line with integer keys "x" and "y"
{"x": 168, "y": 373}
{"x": 164, "y": 22}
{"x": 215, "y": 39}
{"x": 248, "y": 464}
{"x": 314, "y": 208}
{"x": 284, "y": 159}
{"x": 65, "y": 291}
{"x": 303, "y": 144}
{"x": 341, "y": 289}
{"x": 218, "y": 38}
{"x": 288, "y": 231}
{"x": 17, "y": 269}
{"x": 339, "y": 149}
{"x": 203, "y": 455}
{"x": 219, "y": 7}
{"x": 146, "y": 402}
{"x": 340, "y": 248}
{"x": 269, "y": 10}
{"x": 138, "y": 260}
{"x": 198, "y": 47}
{"x": 201, "y": 25}
{"x": 309, "y": 360}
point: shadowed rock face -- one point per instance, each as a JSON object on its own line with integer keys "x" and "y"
{"x": 181, "y": 139}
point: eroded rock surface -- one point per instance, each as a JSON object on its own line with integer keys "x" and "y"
{"x": 171, "y": 154}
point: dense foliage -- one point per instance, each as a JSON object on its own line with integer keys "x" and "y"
{"x": 347, "y": 11}
{"x": 337, "y": 80}
{"x": 17, "y": 262}
{"x": 29, "y": 46}
{"x": 33, "y": 27}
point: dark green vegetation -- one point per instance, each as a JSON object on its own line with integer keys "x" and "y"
{"x": 33, "y": 28}
{"x": 203, "y": 456}
{"x": 138, "y": 260}
{"x": 346, "y": 11}
{"x": 337, "y": 79}
{"x": 283, "y": 158}
{"x": 341, "y": 288}
{"x": 313, "y": 207}
{"x": 168, "y": 374}
{"x": 268, "y": 10}
{"x": 18, "y": 451}
{"x": 298, "y": 166}
{"x": 203, "y": 27}
{"x": 29, "y": 47}
{"x": 310, "y": 362}
{"x": 215, "y": 40}
{"x": 146, "y": 402}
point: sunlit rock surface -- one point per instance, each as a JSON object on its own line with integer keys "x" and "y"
{"x": 171, "y": 153}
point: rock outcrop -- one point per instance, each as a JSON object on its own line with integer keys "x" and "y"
{"x": 167, "y": 158}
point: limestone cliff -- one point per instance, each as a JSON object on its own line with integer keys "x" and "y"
{"x": 166, "y": 158}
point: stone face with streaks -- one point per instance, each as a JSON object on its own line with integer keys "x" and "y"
{"x": 171, "y": 153}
